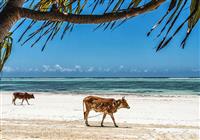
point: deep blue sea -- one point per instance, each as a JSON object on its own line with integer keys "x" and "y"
{"x": 138, "y": 86}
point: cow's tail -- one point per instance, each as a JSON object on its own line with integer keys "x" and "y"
{"x": 84, "y": 109}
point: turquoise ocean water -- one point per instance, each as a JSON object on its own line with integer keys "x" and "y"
{"x": 138, "y": 86}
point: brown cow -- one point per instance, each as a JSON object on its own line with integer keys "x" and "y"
{"x": 104, "y": 105}
{"x": 23, "y": 96}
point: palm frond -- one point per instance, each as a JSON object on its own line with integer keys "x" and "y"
{"x": 3, "y": 4}
{"x": 5, "y": 50}
{"x": 47, "y": 30}
{"x": 68, "y": 7}
{"x": 175, "y": 9}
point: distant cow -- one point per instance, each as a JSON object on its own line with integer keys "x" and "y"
{"x": 23, "y": 96}
{"x": 104, "y": 105}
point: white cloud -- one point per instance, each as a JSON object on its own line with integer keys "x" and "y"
{"x": 121, "y": 67}
{"x": 59, "y": 68}
{"x": 33, "y": 70}
{"x": 134, "y": 70}
{"x": 46, "y": 68}
{"x": 68, "y": 70}
{"x": 196, "y": 70}
{"x": 8, "y": 69}
{"x": 90, "y": 69}
{"x": 106, "y": 70}
{"x": 78, "y": 68}
{"x": 17, "y": 69}
{"x": 99, "y": 69}
{"x": 55, "y": 68}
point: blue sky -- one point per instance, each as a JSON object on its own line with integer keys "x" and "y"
{"x": 123, "y": 52}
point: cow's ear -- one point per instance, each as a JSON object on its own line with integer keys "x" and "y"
{"x": 123, "y": 97}
{"x": 119, "y": 101}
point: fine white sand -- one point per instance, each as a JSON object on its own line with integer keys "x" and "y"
{"x": 180, "y": 111}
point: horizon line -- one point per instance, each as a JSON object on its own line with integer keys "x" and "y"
{"x": 95, "y": 77}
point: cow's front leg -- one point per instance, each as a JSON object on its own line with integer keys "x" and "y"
{"x": 13, "y": 101}
{"x": 27, "y": 101}
{"x": 113, "y": 120}
{"x": 86, "y": 113}
{"x": 104, "y": 116}
{"x": 22, "y": 101}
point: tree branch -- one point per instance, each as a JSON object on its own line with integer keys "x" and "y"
{"x": 9, "y": 16}
{"x": 90, "y": 19}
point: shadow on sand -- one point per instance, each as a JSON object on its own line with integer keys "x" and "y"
{"x": 98, "y": 126}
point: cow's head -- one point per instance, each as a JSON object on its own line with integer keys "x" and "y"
{"x": 30, "y": 95}
{"x": 123, "y": 103}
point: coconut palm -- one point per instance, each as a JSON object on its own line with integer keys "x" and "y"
{"x": 49, "y": 18}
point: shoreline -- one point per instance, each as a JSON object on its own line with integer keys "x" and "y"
{"x": 109, "y": 94}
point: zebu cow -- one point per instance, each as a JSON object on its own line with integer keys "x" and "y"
{"x": 23, "y": 96}
{"x": 104, "y": 105}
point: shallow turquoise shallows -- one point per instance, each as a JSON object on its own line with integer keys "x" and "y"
{"x": 137, "y": 86}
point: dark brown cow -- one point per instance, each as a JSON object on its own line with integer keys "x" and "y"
{"x": 104, "y": 105}
{"x": 23, "y": 96}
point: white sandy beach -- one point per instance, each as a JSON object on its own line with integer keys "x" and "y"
{"x": 159, "y": 117}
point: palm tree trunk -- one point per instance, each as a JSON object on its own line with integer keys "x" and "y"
{"x": 9, "y": 16}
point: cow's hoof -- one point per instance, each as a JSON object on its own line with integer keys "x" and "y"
{"x": 87, "y": 125}
{"x": 116, "y": 125}
{"x": 102, "y": 125}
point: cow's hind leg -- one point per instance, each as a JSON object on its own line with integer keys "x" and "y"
{"x": 113, "y": 120}
{"x": 27, "y": 101}
{"x": 104, "y": 116}
{"x": 22, "y": 101}
{"x": 86, "y": 113}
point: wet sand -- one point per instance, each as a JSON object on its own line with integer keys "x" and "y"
{"x": 76, "y": 130}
